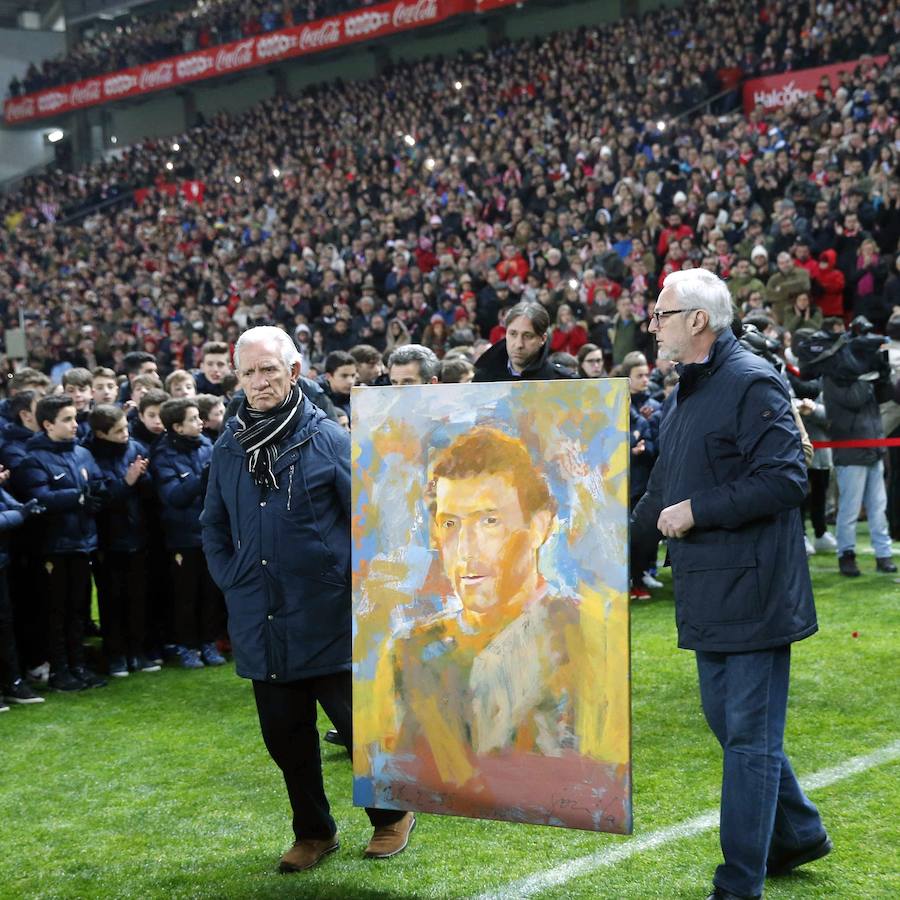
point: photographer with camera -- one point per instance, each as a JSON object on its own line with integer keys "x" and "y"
{"x": 855, "y": 379}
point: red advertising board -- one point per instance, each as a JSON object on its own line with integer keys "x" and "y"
{"x": 324, "y": 34}
{"x": 775, "y": 91}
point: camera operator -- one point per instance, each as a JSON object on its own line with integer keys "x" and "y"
{"x": 854, "y": 379}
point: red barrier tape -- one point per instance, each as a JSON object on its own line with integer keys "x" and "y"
{"x": 868, "y": 442}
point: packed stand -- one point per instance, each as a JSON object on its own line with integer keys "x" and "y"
{"x": 408, "y": 215}
{"x": 151, "y": 36}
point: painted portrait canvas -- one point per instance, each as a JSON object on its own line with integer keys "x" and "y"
{"x": 490, "y": 601}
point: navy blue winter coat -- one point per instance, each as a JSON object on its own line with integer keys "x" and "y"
{"x": 10, "y": 518}
{"x": 730, "y": 445}
{"x": 121, "y": 525}
{"x": 282, "y": 558}
{"x": 178, "y": 476}
{"x": 12, "y": 447}
{"x": 641, "y": 463}
{"x": 57, "y": 474}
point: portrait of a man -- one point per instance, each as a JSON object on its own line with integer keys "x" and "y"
{"x": 487, "y": 630}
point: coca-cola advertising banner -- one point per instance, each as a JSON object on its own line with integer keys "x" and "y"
{"x": 775, "y": 91}
{"x": 324, "y": 34}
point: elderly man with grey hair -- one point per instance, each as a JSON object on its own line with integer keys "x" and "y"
{"x": 276, "y": 534}
{"x": 726, "y": 493}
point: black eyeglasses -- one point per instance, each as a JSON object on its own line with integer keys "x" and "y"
{"x": 659, "y": 316}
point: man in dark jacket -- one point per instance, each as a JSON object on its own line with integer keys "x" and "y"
{"x": 523, "y": 352}
{"x": 726, "y": 492}
{"x": 276, "y": 533}
{"x": 854, "y": 414}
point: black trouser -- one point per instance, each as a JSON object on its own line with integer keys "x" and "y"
{"x": 9, "y": 660}
{"x": 198, "y": 602}
{"x": 642, "y": 554}
{"x": 68, "y": 576}
{"x": 122, "y": 595}
{"x": 818, "y": 493}
{"x": 287, "y": 719}
{"x": 27, "y": 587}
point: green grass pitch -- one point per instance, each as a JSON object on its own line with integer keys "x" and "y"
{"x": 159, "y": 785}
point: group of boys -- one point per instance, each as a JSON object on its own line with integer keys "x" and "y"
{"x": 102, "y": 483}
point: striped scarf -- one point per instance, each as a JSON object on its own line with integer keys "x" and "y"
{"x": 260, "y": 433}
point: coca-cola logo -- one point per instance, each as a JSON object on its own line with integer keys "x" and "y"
{"x": 328, "y": 33}
{"x": 118, "y": 84}
{"x": 19, "y": 109}
{"x": 156, "y": 76}
{"x": 786, "y": 95}
{"x": 414, "y": 13}
{"x": 52, "y": 100}
{"x": 192, "y": 66}
{"x": 235, "y": 57}
{"x": 365, "y": 23}
{"x": 275, "y": 45}
{"x": 88, "y": 92}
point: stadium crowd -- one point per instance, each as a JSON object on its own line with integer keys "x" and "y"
{"x": 149, "y": 37}
{"x": 418, "y": 209}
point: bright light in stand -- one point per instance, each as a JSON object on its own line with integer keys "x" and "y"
{"x": 113, "y": 139}
{"x": 573, "y": 283}
{"x": 169, "y": 166}
{"x": 237, "y": 179}
{"x": 410, "y": 140}
{"x": 55, "y": 135}
{"x": 429, "y": 163}
{"x": 660, "y": 125}
{"x": 457, "y": 85}
{"x": 176, "y": 147}
{"x": 276, "y": 173}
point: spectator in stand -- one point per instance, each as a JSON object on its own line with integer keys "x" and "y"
{"x": 104, "y": 386}
{"x": 338, "y": 380}
{"x": 567, "y": 335}
{"x": 179, "y": 463}
{"x": 369, "y": 366}
{"x": 868, "y": 280}
{"x": 147, "y": 427}
{"x": 120, "y": 564}
{"x": 413, "y": 364}
{"x": 136, "y": 363}
{"x": 62, "y": 476}
{"x": 523, "y": 351}
{"x": 785, "y": 284}
{"x": 743, "y": 281}
{"x": 830, "y": 282}
{"x": 625, "y": 330}
{"x": 456, "y": 370}
{"x": 802, "y": 313}
{"x": 180, "y": 384}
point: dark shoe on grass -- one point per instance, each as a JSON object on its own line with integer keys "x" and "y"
{"x": 786, "y": 863}
{"x": 118, "y": 667}
{"x": 89, "y": 678}
{"x": 885, "y": 564}
{"x": 389, "y": 840}
{"x": 332, "y": 737}
{"x": 306, "y": 853}
{"x": 65, "y": 682}
{"x": 19, "y": 692}
{"x": 847, "y": 564}
{"x": 142, "y": 664}
{"x": 721, "y": 894}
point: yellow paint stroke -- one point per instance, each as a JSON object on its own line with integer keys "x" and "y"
{"x": 450, "y": 753}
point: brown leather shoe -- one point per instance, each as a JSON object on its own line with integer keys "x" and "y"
{"x": 389, "y": 840}
{"x": 306, "y": 853}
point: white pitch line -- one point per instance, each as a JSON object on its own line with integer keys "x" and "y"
{"x": 542, "y": 881}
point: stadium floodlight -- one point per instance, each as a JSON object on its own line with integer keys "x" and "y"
{"x": 113, "y": 139}
{"x": 409, "y": 140}
{"x": 429, "y": 163}
{"x": 660, "y": 125}
{"x": 56, "y": 135}
{"x": 169, "y": 166}
{"x": 458, "y": 85}
{"x": 176, "y": 147}
{"x": 237, "y": 179}
{"x": 276, "y": 173}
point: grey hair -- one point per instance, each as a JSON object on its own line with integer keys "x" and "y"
{"x": 429, "y": 364}
{"x": 268, "y": 334}
{"x": 701, "y": 289}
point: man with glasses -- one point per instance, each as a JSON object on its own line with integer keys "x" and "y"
{"x": 726, "y": 493}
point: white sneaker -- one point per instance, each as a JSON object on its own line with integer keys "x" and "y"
{"x": 650, "y": 582}
{"x": 826, "y": 543}
{"x": 40, "y": 674}
{"x": 810, "y": 550}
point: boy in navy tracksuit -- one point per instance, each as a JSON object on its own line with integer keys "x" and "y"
{"x": 179, "y": 462}
{"x": 63, "y": 477}
{"x": 77, "y": 384}
{"x": 121, "y": 571}
{"x": 13, "y": 689}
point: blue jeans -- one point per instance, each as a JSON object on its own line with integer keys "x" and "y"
{"x": 763, "y": 809}
{"x": 855, "y": 485}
